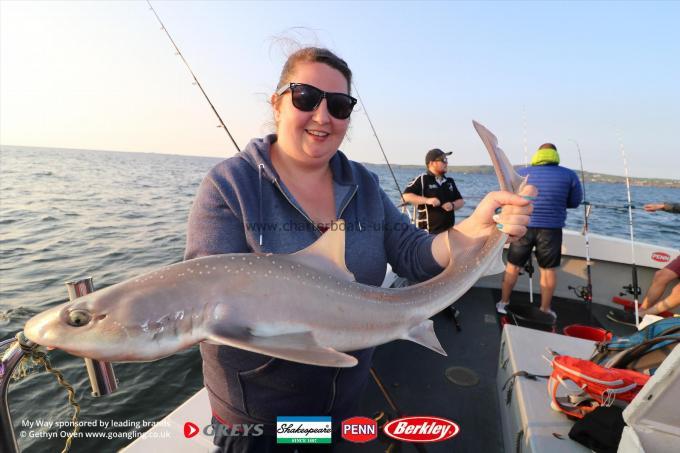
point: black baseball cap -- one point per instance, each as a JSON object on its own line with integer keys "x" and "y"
{"x": 435, "y": 154}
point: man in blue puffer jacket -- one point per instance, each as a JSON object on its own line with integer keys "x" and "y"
{"x": 558, "y": 189}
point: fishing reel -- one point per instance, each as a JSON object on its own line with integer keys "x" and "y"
{"x": 528, "y": 268}
{"x": 582, "y": 292}
{"x": 632, "y": 290}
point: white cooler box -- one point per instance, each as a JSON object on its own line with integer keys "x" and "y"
{"x": 529, "y": 424}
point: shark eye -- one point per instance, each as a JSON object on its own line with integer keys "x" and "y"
{"x": 78, "y": 318}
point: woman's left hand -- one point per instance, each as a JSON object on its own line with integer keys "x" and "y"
{"x": 505, "y": 211}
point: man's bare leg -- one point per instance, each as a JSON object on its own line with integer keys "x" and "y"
{"x": 548, "y": 284}
{"x": 509, "y": 281}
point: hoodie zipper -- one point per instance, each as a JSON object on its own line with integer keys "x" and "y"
{"x": 316, "y": 227}
{"x": 344, "y": 206}
{"x": 276, "y": 183}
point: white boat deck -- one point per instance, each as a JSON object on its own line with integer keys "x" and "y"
{"x": 167, "y": 436}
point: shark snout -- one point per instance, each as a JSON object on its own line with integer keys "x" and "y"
{"x": 58, "y": 325}
{"x": 40, "y": 329}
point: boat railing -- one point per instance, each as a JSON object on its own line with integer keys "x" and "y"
{"x": 10, "y": 359}
{"x": 101, "y": 375}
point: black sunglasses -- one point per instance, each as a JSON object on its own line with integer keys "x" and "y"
{"x": 308, "y": 98}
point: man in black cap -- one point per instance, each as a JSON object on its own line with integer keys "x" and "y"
{"x": 435, "y": 195}
{"x": 436, "y": 198}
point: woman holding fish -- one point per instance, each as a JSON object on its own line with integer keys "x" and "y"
{"x": 279, "y": 196}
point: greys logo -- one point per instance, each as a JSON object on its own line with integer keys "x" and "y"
{"x": 235, "y": 430}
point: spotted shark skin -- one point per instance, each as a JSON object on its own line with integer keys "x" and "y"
{"x": 304, "y": 307}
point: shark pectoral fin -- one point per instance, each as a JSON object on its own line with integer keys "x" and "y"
{"x": 496, "y": 266}
{"x": 424, "y": 335}
{"x": 297, "y": 347}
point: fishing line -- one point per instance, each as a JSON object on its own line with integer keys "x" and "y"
{"x": 375, "y": 134}
{"x": 634, "y": 290}
{"x": 222, "y": 125}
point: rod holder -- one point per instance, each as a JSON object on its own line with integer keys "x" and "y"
{"x": 8, "y": 361}
{"x": 102, "y": 378}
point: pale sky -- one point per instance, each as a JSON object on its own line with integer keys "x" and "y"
{"x": 102, "y": 75}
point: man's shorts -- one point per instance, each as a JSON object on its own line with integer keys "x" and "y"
{"x": 548, "y": 243}
{"x": 674, "y": 266}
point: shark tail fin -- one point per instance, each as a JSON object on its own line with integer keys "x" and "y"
{"x": 508, "y": 178}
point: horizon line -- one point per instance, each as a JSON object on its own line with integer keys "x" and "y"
{"x": 370, "y": 163}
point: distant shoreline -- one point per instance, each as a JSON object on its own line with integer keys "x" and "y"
{"x": 461, "y": 169}
{"x": 590, "y": 177}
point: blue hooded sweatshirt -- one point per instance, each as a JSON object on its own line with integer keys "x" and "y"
{"x": 243, "y": 206}
{"x": 558, "y": 189}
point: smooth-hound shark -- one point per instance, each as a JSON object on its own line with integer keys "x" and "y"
{"x": 304, "y": 307}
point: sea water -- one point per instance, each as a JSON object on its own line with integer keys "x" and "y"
{"x": 66, "y": 214}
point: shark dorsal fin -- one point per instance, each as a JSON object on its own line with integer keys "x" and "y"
{"x": 327, "y": 253}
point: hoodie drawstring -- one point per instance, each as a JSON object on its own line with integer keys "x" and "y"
{"x": 260, "y": 169}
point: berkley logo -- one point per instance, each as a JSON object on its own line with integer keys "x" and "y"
{"x": 421, "y": 429}
{"x": 661, "y": 257}
{"x": 359, "y": 429}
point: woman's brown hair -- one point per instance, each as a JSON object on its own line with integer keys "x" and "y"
{"x": 314, "y": 55}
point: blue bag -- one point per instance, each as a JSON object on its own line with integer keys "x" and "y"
{"x": 642, "y": 351}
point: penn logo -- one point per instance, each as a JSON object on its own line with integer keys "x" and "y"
{"x": 359, "y": 429}
{"x": 661, "y": 257}
{"x": 421, "y": 429}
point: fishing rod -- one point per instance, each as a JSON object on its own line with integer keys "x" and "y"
{"x": 222, "y": 125}
{"x": 529, "y": 266}
{"x": 524, "y": 136}
{"x": 586, "y": 292}
{"x": 633, "y": 288}
{"x": 375, "y": 134}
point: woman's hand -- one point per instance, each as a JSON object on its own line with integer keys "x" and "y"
{"x": 469, "y": 235}
{"x": 503, "y": 210}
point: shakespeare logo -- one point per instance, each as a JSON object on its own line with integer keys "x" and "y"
{"x": 303, "y": 430}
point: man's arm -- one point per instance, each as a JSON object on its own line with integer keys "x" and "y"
{"x": 456, "y": 198}
{"x": 417, "y": 199}
{"x": 575, "y": 192}
{"x": 668, "y": 207}
{"x": 453, "y": 205}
